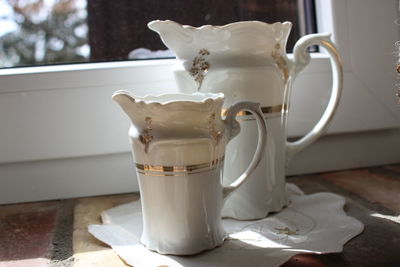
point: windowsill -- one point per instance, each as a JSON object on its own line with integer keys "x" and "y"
{"x": 83, "y": 66}
{"x": 56, "y": 231}
{"x": 107, "y": 65}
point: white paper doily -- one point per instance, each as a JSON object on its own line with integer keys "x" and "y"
{"x": 313, "y": 223}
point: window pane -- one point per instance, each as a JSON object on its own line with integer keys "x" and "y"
{"x": 39, "y": 32}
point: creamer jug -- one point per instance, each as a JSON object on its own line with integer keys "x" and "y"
{"x": 178, "y": 145}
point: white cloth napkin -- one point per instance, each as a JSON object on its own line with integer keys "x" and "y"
{"x": 313, "y": 223}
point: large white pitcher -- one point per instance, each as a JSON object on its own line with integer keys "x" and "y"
{"x": 248, "y": 61}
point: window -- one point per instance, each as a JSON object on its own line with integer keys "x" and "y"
{"x": 62, "y": 136}
{"x": 37, "y": 32}
{"x": 41, "y": 32}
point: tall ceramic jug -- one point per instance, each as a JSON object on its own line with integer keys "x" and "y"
{"x": 178, "y": 144}
{"x": 248, "y": 61}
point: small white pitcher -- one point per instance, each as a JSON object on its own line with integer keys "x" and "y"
{"x": 247, "y": 61}
{"x": 178, "y": 144}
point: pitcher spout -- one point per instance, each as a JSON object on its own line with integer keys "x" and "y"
{"x": 160, "y": 26}
{"x": 125, "y": 100}
{"x": 174, "y": 35}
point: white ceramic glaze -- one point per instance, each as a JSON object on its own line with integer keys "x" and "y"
{"x": 178, "y": 144}
{"x": 247, "y": 61}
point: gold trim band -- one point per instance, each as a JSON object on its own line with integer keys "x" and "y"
{"x": 265, "y": 110}
{"x": 159, "y": 170}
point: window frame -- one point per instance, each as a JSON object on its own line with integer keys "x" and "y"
{"x": 31, "y": 133}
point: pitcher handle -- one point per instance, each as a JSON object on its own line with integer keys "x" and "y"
{"x": 301, "y": 60}
{"x": 233, "y": 127}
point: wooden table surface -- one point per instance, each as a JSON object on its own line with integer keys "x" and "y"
{"x": 54, "y": 233}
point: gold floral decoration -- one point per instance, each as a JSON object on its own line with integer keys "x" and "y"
{"x": 146, "y": 136}
{"x": 200, "y": 67}
{"x": 287, "y": 231}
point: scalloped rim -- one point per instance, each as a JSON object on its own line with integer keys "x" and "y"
{"x": 224, "y": 27}
{"x": 170, "y": 98}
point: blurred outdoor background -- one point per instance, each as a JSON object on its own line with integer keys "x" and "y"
{"x": 41, "y": 32}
